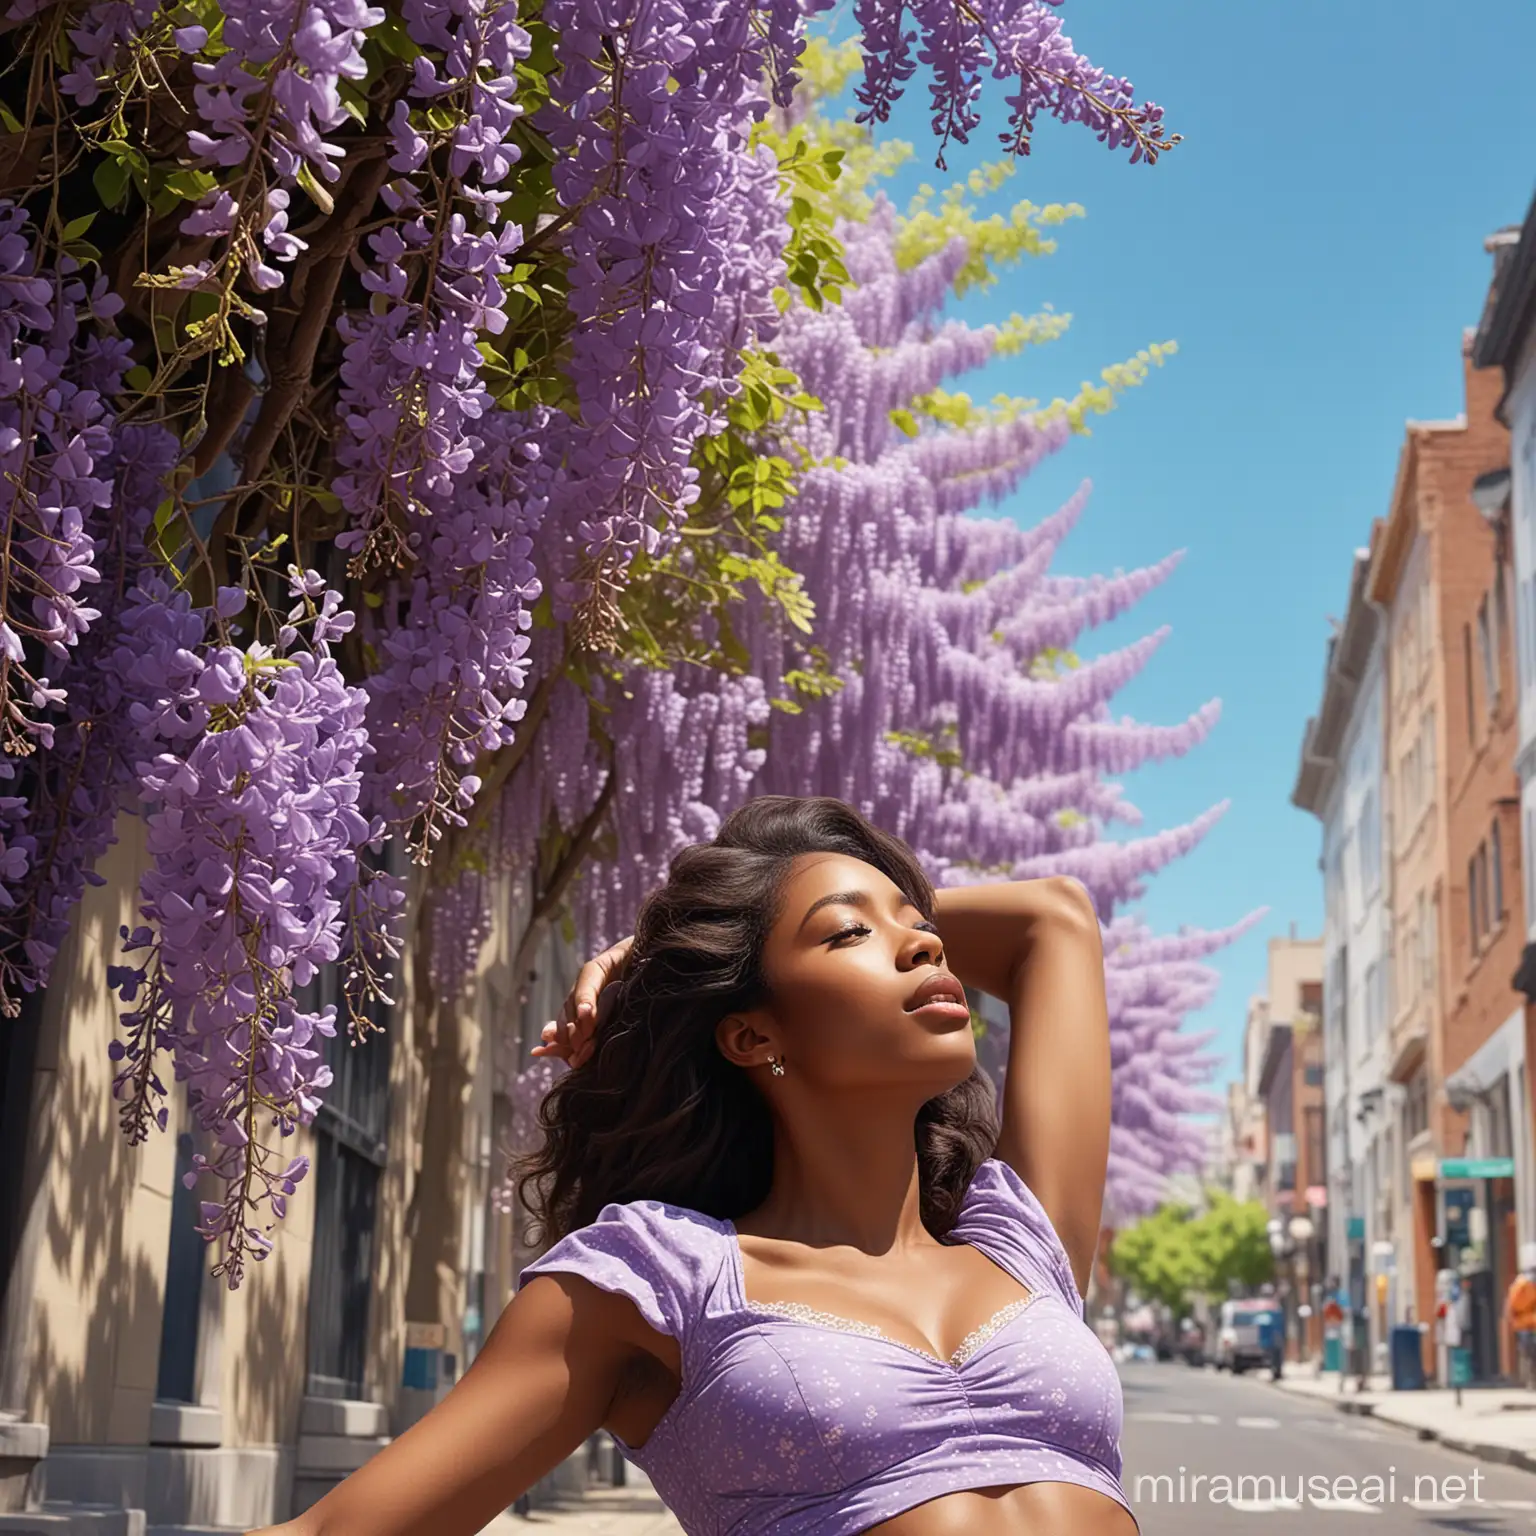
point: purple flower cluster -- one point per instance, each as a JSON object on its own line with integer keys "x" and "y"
{"x": 255, "y": 791}
{"x": 651, "y": 112}
{"x": 76, "y": 788}
{"x": 1020, "y": 42}
{"x": 437, "y": 481}
{"x": 294, "y": 53}
{"x": 1052, "y": 77}
{"x": 103, "y": 39}
{"x": 55, "y": 438}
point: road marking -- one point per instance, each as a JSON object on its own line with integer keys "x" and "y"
{"x": 1513, "y": 1503}
{"x": 1258, "y": 1423}
{"x": 1262, "y": 1506}
{"x": 1345, "y": 1506}
{"x": 1152, "y": 1417}
{"x": 1208, "y": 1418}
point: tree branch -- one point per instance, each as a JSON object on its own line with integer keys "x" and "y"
{"x": 291, "y": 345}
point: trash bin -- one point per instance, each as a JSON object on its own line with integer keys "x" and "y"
{"x": 1407, "y": 1359}
{"x": 1333, "y": 1351}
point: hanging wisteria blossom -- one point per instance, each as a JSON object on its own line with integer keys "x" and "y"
{"x": 362, "y": 368}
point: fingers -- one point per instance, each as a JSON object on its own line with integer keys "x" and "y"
{"x": 594, "y": 976}
{"x": 570, "y": 1037}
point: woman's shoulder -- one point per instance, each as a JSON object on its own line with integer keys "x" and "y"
{"x": 661, "y": 1256}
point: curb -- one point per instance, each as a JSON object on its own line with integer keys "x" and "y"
{"x": 1499, "y": 1455}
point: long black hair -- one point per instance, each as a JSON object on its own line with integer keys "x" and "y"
{"x": 657, "y": 1112}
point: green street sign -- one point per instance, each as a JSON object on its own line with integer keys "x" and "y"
{"x": 1477, "y": 1167}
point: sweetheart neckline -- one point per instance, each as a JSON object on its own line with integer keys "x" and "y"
{"x": 814, "y": 1317}
{"x": 970, "y": 1346}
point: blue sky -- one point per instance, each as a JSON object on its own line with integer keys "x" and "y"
{"x": 1315, "y": 248}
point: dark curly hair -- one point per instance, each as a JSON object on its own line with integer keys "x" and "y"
{"x": 657, "y": 1112}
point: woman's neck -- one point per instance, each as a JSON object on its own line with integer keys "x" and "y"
{"x": 844, "y": 1179}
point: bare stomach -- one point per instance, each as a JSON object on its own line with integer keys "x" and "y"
{"x": 1022, "y": 1509}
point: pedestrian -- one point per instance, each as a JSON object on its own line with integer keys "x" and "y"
{"x": 801, "y": 1271}
{"x": 1520, "y": 1314}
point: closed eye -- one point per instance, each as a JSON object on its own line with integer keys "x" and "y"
{"x": 852, "y": 931}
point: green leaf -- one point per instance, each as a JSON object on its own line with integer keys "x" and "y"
{"x": 110, "y": 179}
{"x": 138, "y": 378}
{"x": 190, "y": 185}
{"x": 904, "y": 421}
{"x": 77, "y": 227}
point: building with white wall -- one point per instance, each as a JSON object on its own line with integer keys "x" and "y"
{"x": 1341, "y": 782}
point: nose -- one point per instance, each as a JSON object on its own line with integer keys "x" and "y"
{"x": 921, "y": 948}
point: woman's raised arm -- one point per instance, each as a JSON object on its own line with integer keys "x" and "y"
{"x": 542, "y": 1383}
{"x": 1035, "y": 945}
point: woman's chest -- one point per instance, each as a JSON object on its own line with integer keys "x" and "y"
{"x": 777, "y": 1404}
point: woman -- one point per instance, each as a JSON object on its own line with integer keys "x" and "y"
{"x": 800, "y": 1273}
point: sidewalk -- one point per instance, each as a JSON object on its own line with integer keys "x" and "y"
{"x": 1495, "y": 1424}
{"x": 633, "y": 1510}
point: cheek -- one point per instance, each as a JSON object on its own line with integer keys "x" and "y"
{"x": 846, "y": 1016}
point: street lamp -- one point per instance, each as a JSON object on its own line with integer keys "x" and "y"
{"x": 1301, "y": 1236}
{"x": 1490, "y": 492}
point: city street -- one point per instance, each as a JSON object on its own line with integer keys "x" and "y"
{"x": 1203, "y": 1423}
{"x": 1183, "y": 1423}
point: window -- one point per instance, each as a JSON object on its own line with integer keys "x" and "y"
{"x": 1416, "y": 1106}
{"x": 1529, "y": 609}
{"x": 1474, "y": 934}
{"x": 1312, "y": 1074}
{"x": 1425, "y": 635}
{"x": 177, "y": 1378}
{"x": 1427, "y": 757}
{"x": 1484, "y": 907}
{"x": 1490, "y": 659}
{"x": 1431, "y": 941}
{"x": 1528, "y": 854}
{"x": 350, "y": 1156}
{"x": 1466, "y": 656}
{"x": 1496, "y": 856}
{"x": 1316, "y": 1155}
{"x": 1500, "y": 621}
{"x": 1370, "y": 844}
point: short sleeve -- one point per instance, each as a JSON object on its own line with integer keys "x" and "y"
{"x": 656, "y": 1255}
{"x": 1001, "y": 1215}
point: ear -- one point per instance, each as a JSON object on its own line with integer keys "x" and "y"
{"x": 745, "y": 1039}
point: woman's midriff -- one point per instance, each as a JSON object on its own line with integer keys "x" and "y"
{"x": 1022, "y": 1509}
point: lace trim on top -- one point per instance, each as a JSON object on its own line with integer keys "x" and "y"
{"x": 799, "y": 1312}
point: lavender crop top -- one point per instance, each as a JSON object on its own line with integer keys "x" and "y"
{"x": 791, "y": 1420}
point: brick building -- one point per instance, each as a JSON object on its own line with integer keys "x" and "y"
{"x": 1453, "y": 912}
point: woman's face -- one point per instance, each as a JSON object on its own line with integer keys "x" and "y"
{"x": 861, "y": 995}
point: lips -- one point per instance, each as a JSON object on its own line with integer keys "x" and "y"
{"x": 940, "y": 987}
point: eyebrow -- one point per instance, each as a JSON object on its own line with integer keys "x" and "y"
{"x": 860, "y": 899}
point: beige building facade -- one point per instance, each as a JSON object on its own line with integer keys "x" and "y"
{"x": 140, "y": 1395}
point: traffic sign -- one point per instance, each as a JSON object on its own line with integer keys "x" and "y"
{"x": 1477, "y": 1167}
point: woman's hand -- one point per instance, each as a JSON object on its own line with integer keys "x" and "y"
{"x": 569, "y": 1037}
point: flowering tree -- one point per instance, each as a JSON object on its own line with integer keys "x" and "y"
{"x": 359, "y": 365}
{"x": 900, "y": 653}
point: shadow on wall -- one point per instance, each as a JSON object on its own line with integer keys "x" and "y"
{"x": 84, "y": 1331}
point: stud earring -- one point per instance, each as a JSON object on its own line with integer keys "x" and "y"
{"x": 777, "y": 1065}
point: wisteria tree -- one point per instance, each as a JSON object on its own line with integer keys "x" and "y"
{"x": 939, "y": 686}
{"x": 372, "y": 378}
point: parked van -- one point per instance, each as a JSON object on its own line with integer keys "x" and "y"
{"x": 1250, "y": 1334}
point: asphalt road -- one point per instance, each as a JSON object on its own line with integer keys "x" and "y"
{"x": 1209, "y": 1454}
